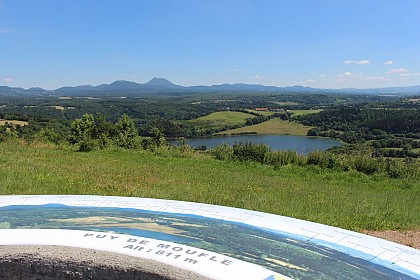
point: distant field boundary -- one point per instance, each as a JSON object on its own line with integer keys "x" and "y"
{"x": 296, "y": 113}
{"x": 14, "y": 122}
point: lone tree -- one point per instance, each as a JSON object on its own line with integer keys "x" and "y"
{"x": 127, "y": 135}
{"x": 82, "y": 129}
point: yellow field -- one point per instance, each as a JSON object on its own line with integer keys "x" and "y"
{"x": 262, "y": 113}
{"x": 22, "y": 123}
{"x": 61, "y": 108}
{"x": 414, "y": 100}
{"x": 303, "y": 112}
{"x": 273, "y": 126}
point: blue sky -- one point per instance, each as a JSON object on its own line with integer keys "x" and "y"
{"x": 317, "y": 43}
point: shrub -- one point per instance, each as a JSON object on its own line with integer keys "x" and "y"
{"x": 222, "y": 152}
{"x": 87, "y": 145}
{"x": 393, "y": 169}
{"x": 147, "y": 143}
{"x": 279, "y": 158}
{"x": 365, "y": 164}
{"x": 249, "y": 151}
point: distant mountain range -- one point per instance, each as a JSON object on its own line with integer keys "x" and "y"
{"x": 161, "y": 85}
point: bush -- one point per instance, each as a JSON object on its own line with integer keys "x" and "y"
{"x": 222, "y": 152}
{"x": 324, "y": 160}
{"x": 365, "y": 164}
{"x": 393, "y": 169}
{"x": 249, "y": 151}
{"x": 409, "y": 167}
{"x": 87, "y": 145}
{"x": 279, "y": 158}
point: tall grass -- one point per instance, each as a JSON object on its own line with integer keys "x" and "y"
{"x": 350, "y": 199}
{"x": 363, "y": 162}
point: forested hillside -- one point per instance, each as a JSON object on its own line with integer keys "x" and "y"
{"x": 389, "y": 125}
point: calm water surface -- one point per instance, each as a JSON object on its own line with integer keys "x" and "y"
{"x": 301, "y": 144}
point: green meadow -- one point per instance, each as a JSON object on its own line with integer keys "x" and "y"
{"x": 220, "y": 119}
{"x": 348, "y": 199}
{"x": 274, "y": 126}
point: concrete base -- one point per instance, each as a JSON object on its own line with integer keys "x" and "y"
{"x": 58, "y": 262}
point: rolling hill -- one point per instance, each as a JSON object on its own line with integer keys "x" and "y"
{"x": 161, "y": 85}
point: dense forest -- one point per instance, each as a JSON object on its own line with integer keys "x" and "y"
{"x": 381, "y": 128}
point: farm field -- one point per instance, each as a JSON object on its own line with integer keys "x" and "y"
{"x": 349, "y": 200}
{"x": 220, "y": 119}
{"x": 22, "y": 123}
{"x": 296, "y": 113}
{"x": 61, "y": 108}
{"x": 285, "y": 103}
{"x": 274, "y": 126}
{"x": 262, "y": 113}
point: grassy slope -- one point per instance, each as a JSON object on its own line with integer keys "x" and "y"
{"x": 273, "y": 126}
{"x": 220, "y": 119}
{"x": 349, "y": 200}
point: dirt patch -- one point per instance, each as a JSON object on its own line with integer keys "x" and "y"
{"x": 409, "y": 238}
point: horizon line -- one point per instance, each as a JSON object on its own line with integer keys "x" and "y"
{"x": 232, "y": 84}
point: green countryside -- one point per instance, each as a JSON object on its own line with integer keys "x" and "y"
{"x": 108, "y": 146}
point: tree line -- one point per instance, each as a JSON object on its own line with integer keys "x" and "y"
{"x": 87, "y": 133}
{"x": 381, "y": 128}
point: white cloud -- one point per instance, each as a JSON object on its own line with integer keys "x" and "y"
{"x": 389, "y": 62}
{"x": 6, "y": 30}
{"x": 363, "y": 62}
{"x": 346, "y": 74}
{"x": 350, "y": 61}
{"x": 397, "y": 71}
{"x": 258, "y": 77}
{"x": 309, "y": 81}
{"x": 8, "y": 80}
{"x": 359, "y": 62}
{"x": 410, "y": 74}
{"x": 349, "y": 76}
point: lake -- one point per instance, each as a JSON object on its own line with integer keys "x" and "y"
{"x": 301, "y": 144}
